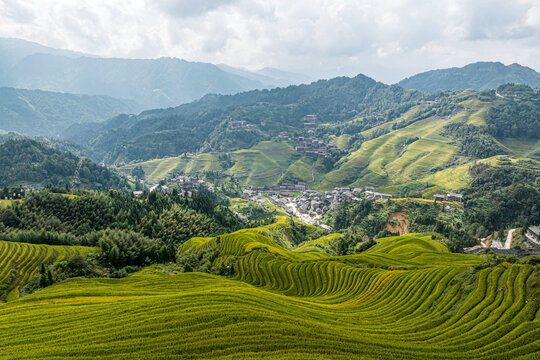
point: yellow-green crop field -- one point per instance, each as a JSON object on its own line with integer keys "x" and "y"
{"x": 19, "y": 262}
{"x": 287, "y": 304}
{"x": 7, "y": 203}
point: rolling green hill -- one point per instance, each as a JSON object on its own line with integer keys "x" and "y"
{"x": 282, "y": 304}
{"x": 19, "y": 262}
{"x": 264, "y": 163}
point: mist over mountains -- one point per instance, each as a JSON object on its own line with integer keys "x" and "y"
{"x": 46, "y": 113}
{"x": 152, "y": 83}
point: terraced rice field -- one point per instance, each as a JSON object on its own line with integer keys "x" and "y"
{"x": 282, "y": 304}
{"x": 159, "y": 169}
{"x": 19, "y": 262}
{"x": 264, "y": 163}
{"x": 388, "y": 159}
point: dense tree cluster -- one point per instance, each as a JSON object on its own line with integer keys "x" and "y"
{"x": 517, "y": 114}
{"x": 504, "y": 196}
{"x": 87, "y": 216}
{"x": 473, "y": 141}
{"x": 27, "y": 161}
{"x": 359, "y": 216}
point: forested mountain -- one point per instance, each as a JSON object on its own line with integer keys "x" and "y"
{"x": 28, "y": 162}
{"x": 152, "y": 83}
{"x": 478, "y": 76}
{"x": 45, "y": 113}
{"x": 205, "y": 125}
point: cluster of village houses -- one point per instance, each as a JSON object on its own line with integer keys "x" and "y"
{"x": 310, "y": 202}
{"x": 314, "y": 148}
{"x": 316, "y": 203}
{"x": 188, "y": 183}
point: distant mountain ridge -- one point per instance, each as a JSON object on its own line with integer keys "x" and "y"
{"x": 45, "y": 113}
{"x": 152, "y": 83}
{"x": 478, "y": 76}
{"x": 276, "y": 77}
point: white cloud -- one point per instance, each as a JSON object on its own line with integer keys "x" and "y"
{"x": 385, "y": 39}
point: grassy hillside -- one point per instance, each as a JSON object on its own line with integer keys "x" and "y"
{"x": 189, "y": 164}
{"x": 19, "y": 262}
{"x": 205, "y": 125}
{"x": 285, "y": 305}
{"x": 416, "y": 152}
{"x": 264, "y": 163}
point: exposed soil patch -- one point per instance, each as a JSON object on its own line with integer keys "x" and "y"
{"x": 398, "y": 223}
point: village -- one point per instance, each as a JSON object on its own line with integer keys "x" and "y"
{"x": 310, "y": 205}
{"x": 189, "y": 184}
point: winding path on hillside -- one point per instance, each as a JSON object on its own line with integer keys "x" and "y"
{"x": 508, "y": 243}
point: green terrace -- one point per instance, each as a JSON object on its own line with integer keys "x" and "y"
{"x": 407, "y": 297}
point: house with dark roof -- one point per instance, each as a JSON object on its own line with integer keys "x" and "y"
{"x": 533, "y": 234}
{"x": 454, "y": 197}
{"x": 438, "y": 197}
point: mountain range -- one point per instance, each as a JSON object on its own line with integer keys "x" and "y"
{"x": 152, "y": 83}
{"x": 45, "y": 113}
{"x": 204, "y": 125}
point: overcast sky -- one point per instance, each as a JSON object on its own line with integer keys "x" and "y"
{"x": 384, "y": 39}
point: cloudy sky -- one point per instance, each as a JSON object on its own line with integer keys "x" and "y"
{"x": 384, "y": 39}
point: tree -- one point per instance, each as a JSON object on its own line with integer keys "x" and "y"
{"x": 178, "y": 225}
{"x": 138, "y": 172}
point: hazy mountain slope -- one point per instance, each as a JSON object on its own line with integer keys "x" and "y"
{"x": 160, "y": 82}
{"x": 479, "y": 76}
{"x": 269, "y": 76}
{"x": 14, "y": 50}
{"x": 36, "y": 112}
{"x": 153, "y": 83}
{"x": 284, "y": 75}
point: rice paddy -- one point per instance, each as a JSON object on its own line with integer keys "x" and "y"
{"x": 285, "y": 304}
{"x": 19, "y": 262}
